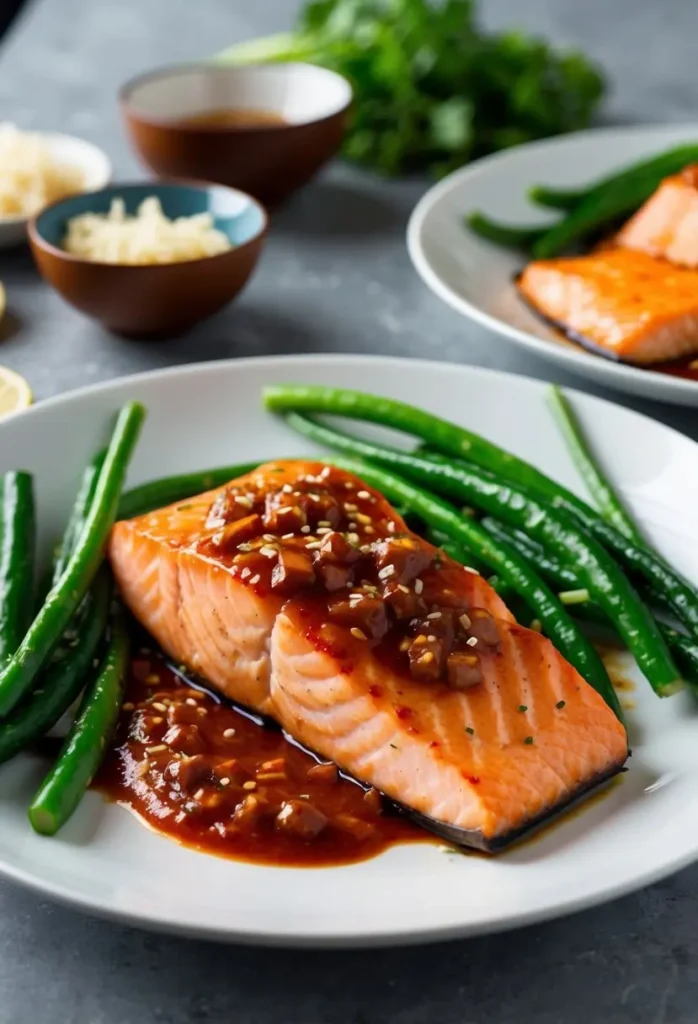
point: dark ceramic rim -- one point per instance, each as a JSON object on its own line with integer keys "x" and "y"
{"x": 37, "y": 239}
{"x": 166, "y": 70}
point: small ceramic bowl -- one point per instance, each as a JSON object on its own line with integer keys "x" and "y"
{"x": 268, "y": 161}
{"x": 66, "y": 149}
{"x": 156, "y": 300}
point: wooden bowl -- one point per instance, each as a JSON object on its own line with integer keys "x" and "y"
{"x": 158, "y": 300}
{"x": 267, "y": 161}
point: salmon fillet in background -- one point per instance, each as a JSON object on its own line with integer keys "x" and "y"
{"x": 666, "y": 226}
{"x": 626, "y": 304}
{"x": 471, "y": 760}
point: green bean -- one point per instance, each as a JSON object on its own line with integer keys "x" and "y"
{"x": 556, "y": 198}
{"x": 549, "y": 567}
{"x": 64, "y": 598}
{"x": 558, "y": 626}
{"x": 81, "y": 506}
{"x": 650, "y": 172}
{"x": 461, "y": 443}
{"x": 460, "y": 553}
{"x": 607, "y": 501}
{"x": 84, "y": 747}
{"x": 17, "y": 543}
{"x": 551, "y": 527}
{"x": 167, "y": 490}
{"x": 509, "y": 236}
{"x": 64, "y": 677}
{"x": 595, "y": 211}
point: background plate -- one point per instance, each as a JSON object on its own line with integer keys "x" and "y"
{"x": 476, "y": 278}
{"x": 106, "y": 862}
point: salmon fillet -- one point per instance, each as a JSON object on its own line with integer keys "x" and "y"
{"x": 666, "y": 226}
{"x": 245, "y": 586}
{"x": 626, "y": 304}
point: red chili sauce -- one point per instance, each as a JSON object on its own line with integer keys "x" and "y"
{"x": 213, "y": 777}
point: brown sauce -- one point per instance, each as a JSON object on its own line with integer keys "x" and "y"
{"x": 234, "y": 117}
{"x": 687, "y": 369}
{"x": 238, "y": 774}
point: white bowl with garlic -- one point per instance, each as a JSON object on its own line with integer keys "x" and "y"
{"x": 38, "y": 168}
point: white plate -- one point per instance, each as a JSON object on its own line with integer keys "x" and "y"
{"x": 476, "y": 278}
{"x": 108, "y": 863}
{"x": 66, "y": 149}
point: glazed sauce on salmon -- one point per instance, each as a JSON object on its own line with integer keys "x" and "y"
{"x": 234, "y": 117}
{"x": 216, "y": 778}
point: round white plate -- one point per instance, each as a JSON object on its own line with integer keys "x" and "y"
{"x": 66, "y": 149}
{"x": 476, "y": 278}
{"x": 105, "y": 861}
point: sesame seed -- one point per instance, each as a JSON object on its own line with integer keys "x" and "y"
{"x": 225, "y": 782}
{"x": 255, "y": 579}
{"x": 418, "y": 586}
{"x": 158, "y": 706}
{"x": 199, "y": 794}
{"x": 405, "y": 644}
{"x": 268, "y": 537}
{"x": 348, "y": 507}
{"x": 465, "y": 621}
{"x": 191, "y": 702}
{"x": 369, "y": 529}
{"x": 240, "y": 499}
{"x": 305, "y": 529}
{"x": 391, "y": 527}
{"x": 228, "y": 733}
{"x": 268, "y": 552}
{"x": 358, "y": 633}
{"x": 287, "y": 489}
{"x": 471, "y": 641}
{"x": 361, "y": 517}
{"x": 426, "y": 657}
{"x": 157, "y": 720}
{"x": 244, "y": 547}
{"x": 156, "y": 749}
{"x": 363, "y": 494}
{"x": 128, "y": 706}
{"x": 352, "y": 526}
{"x": 388, "y": 570}
{"x": 434, "y": 615}
{"x": 249, "y": 785}
{"x": 352, "y": 538}
{"x": 287, "y": 536}
{"x": 245, "y": 573}
{"x": 322, "y": 530}
{"x": 469, "y": 568}
{"x": 324, "y": 522}
{"x": 271, "y": 776}
{"x": 314, "y": 545}
{"x": 403, "y": 588}
{"x": 431, "y": 638}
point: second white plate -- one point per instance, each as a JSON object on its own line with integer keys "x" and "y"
{"x": 476, "y": 277}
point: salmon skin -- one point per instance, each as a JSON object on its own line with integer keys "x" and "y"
{"x": 300, "y": 593}
{"x": 624, "y": 304}
{"x": 666, "y": 226}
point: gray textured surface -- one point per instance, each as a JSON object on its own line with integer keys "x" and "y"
{"x": 335, "y": 277}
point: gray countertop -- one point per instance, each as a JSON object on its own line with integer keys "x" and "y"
{"x": 335, "y": 277}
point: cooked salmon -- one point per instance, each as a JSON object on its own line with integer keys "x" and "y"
{"x": 666, "y": 225}
{"x": 301, "y": 593}
{"x": 626, "y": 304}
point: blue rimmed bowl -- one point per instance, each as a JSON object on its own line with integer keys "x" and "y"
{"x": 157, "y": 300}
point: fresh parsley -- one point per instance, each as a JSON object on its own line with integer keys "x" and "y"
{"x": 432, "y": 88}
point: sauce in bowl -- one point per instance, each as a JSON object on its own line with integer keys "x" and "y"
{"x": 234, "y": 117}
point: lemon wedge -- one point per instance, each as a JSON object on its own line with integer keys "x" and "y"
{"x": 15, "y": 393}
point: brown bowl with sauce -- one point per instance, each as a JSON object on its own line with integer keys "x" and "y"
{"x": 265, "y": 129}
